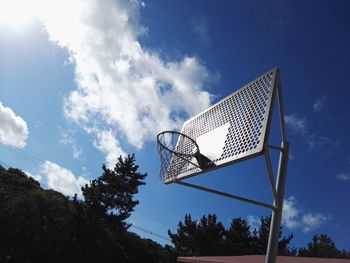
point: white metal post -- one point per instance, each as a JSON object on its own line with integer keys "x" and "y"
{"x": 276, "y": 217}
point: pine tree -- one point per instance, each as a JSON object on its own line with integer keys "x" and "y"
{"x": 239, "y": 239}
{"x": 203, "y": 238}
{"x": 185, "y": 238}
{"x": 38, "y": 225}
{"x": 261, "y": 238}
{"x": 112, "y": 193}
{"x": 210, "y": 236}
{"x": 322, "y": 246}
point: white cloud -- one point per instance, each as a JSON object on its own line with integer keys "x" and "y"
{"x": 317, "y": 141}
{"x": 296, "y": 124}
{"x": 313, "y": 140}
{"x": 200, "y": 28}
{"x": 107, "y": 144}
{"x": 319, "y": 104}
{"x": 291, "y": 156}
{"x": 253, "y": 221}
{"x": 313, "y": 221}
{"x": 13, "y": 129}
{"x": 67, "y": 139}
{"x": 62, "y": 179}
{"x": 343, "y": 177}
{"x": 85, "y": 172}
{"x": 77, "y": 151}
{"x": 290, "y": 213}
{"x": 293, "y": 217}
{"x": 36, "y": 177}
{"x": 121, "y": 86}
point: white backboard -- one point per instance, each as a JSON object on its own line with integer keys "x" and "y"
{"x": 232, "y": 130}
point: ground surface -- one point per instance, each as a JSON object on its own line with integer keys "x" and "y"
{"x": 258, "y": 259}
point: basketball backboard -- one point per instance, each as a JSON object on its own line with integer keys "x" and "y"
{"x": 234, "y": 129}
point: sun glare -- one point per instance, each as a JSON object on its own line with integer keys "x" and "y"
{"x": 17, "y": 14}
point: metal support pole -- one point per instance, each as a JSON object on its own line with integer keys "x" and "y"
{"x": 271, "y": 177}
{"x": 276, "y": 217}
{"x": 224, "y": 194}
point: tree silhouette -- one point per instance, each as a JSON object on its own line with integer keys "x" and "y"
{"x": 185, "y": 239}
{"x": 239, "y": 239}
{"x": 112, "y": 193}
{"x": 322, "y": 246}
{"x": 261, "y": 238}
{"x": 205, "y": 238}
{"x": 210, "y": 236}
{"x": 38, "y": 225}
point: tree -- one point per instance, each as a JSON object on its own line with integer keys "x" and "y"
{"x": 111, "y": 194}
{"x": 185, "y": 238}
{"x": 146, "y": 250}
{"x": 205, "y": 238}
{"x": 38, "y": 225}
{"x": 322, "y": 246}
{"x": 239, "y": 239}
{"x": 210, "y": 236}
{"x": 261, "y": 238}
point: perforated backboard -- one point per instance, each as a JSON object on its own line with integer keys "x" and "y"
{"x": 232, "y": 130}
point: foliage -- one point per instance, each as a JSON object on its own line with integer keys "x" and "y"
{"x": 261, "y": 237}
{"x": 209, "y": 237}
{"x": 38, "y": 225}
{"x": 112, "y": 193}
{"x": 239, "y": 239}
{"x": 147, "y": 250}
{"x": 322, "y": 246}
{"x": 205, "y": 238}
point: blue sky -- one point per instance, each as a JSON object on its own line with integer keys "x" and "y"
{"x": 82, "y": 83}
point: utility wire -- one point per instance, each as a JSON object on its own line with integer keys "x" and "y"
{"x": 22, "y": 154}
{"x": 151, "y": 232}
{"x": 155, "y": 219}
{"x": 158, "y": 215}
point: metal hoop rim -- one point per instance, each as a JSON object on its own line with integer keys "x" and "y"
{"x": 175, "y": 152}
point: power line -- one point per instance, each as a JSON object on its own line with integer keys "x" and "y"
{"x": 151, "y": 232}
{"x": 22, "y": 154}
{"x": 154, "y": 218}
{"x": 159, "y": 215}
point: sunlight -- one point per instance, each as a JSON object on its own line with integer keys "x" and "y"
{"x": 15, "y": 13}
{"x": 19, "y": 14}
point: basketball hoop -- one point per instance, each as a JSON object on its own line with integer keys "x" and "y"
{"x": 171, "y": 153}
{"x": 235, "y": 129}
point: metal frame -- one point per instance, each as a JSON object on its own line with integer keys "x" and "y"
{"x": 278, "y": 186}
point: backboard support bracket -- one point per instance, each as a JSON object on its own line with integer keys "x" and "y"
{"x": 247, "y": 200}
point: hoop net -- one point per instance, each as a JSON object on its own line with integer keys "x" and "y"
{"x": 173, "y": 158}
